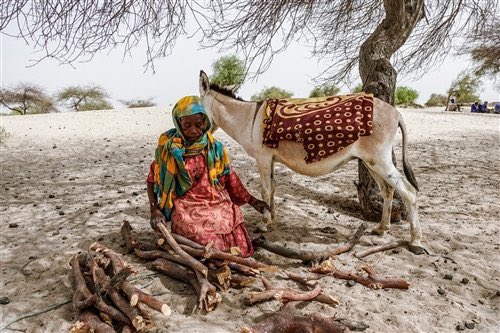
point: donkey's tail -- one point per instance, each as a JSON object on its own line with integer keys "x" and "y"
{"x": 406, "y": 166}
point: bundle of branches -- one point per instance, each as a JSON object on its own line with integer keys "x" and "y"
{"x": 207, "y": 270}
{"x": 104, "y": 300}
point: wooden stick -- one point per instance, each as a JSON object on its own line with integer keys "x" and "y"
{"x": 152, "y": 255}
{"x": 185, "y": 241}
{"x": 310, "y": 255}
{"x": 216, "y": 254}
{"x": 379, "y": 248}
{"x": 82, "y": 298}
{"x": 347, "y": 246}
{"x": 283, "y": 295}
{"x": 193, "y": 263}
{"x": 371, "y": 281}
{"x": 245, "y": 270}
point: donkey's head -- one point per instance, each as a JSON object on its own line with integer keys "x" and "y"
{"x": 218, "y": 100}
{"x": 207, "y": 99}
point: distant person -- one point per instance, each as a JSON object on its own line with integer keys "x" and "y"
{"x": 474, "y": 107}
{"x": 497, "y": 107}
{"x": 453, "y": 106}
{"x": 483, "y": 108}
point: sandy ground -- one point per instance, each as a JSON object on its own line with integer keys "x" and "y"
{"x": 70, "y": 179}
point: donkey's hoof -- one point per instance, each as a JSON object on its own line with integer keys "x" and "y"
{"x": 377, "y": 232}
{"x": 416, "y": 249}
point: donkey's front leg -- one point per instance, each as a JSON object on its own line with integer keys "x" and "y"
{"x": 266, "y": 170}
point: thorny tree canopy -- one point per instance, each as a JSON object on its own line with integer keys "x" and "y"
{"x": 335, "y": 30}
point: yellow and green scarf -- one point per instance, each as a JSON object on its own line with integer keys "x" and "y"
{"x": 171, "y": 177}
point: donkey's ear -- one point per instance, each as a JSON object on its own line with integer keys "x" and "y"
{"x": 204, "y": 84}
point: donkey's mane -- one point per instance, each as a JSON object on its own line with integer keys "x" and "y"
{"x": 225, "y": 91}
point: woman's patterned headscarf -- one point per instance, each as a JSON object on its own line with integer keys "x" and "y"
{"x": 171, "y": 177}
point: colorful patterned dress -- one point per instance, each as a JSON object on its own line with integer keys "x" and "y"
{"x": 207, "y": 214}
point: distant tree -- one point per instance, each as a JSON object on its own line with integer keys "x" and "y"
{"x": 324, "y": 90}
{"x": 358, "y": 88}
{"x": 84, "y": 98}
{"x": 138, "y": 103}
{"x": 271, "y": 92}
{"x": 228, "y": 71}
{"x": 26, "y": 98}
{"x": 465, "y": 88}
{"x": 405, "y": 96}
{"x": 436, "y": 100}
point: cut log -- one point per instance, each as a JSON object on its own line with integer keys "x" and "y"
{"x": 90, "y": 322}
{"x": 136, "y": 295}
{"x": 126, "y": 232}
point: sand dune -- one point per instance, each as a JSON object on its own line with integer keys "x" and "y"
{"x": 70, "y": 179}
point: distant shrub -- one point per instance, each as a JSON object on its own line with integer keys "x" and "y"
{"x": 436, "y": 100}
{"x": 325, "y": 90}
{"x": 358, "y": 89}
{"x": 405, "y": 96}
{"x": 138, "y": 103}
{"x": 272, "y": 92}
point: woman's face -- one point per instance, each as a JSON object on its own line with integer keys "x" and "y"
{"x": 192, "y": 126}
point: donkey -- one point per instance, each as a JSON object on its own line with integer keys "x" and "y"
{"x": 242, "y": 121}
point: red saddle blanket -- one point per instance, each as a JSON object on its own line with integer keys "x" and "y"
{"x": 324, "y": 125}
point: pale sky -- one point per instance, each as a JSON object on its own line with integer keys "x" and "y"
{"x": 177, "y": 74}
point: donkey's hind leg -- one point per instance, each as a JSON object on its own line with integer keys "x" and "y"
{"x": 387, "y": 193}
{"x": 387, "y": 171}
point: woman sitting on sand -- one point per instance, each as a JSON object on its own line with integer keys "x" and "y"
{"x": 191, "y": 183}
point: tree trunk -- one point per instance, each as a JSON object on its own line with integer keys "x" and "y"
{"x": 379, "y": 78}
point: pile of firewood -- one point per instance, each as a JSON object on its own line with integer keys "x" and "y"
{"x": 106, "y": 302}
{"x": 103, "y": 299}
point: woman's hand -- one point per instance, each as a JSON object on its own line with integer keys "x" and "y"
{"x": 157, "y": 217}
{"x": 259, "y": 205}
